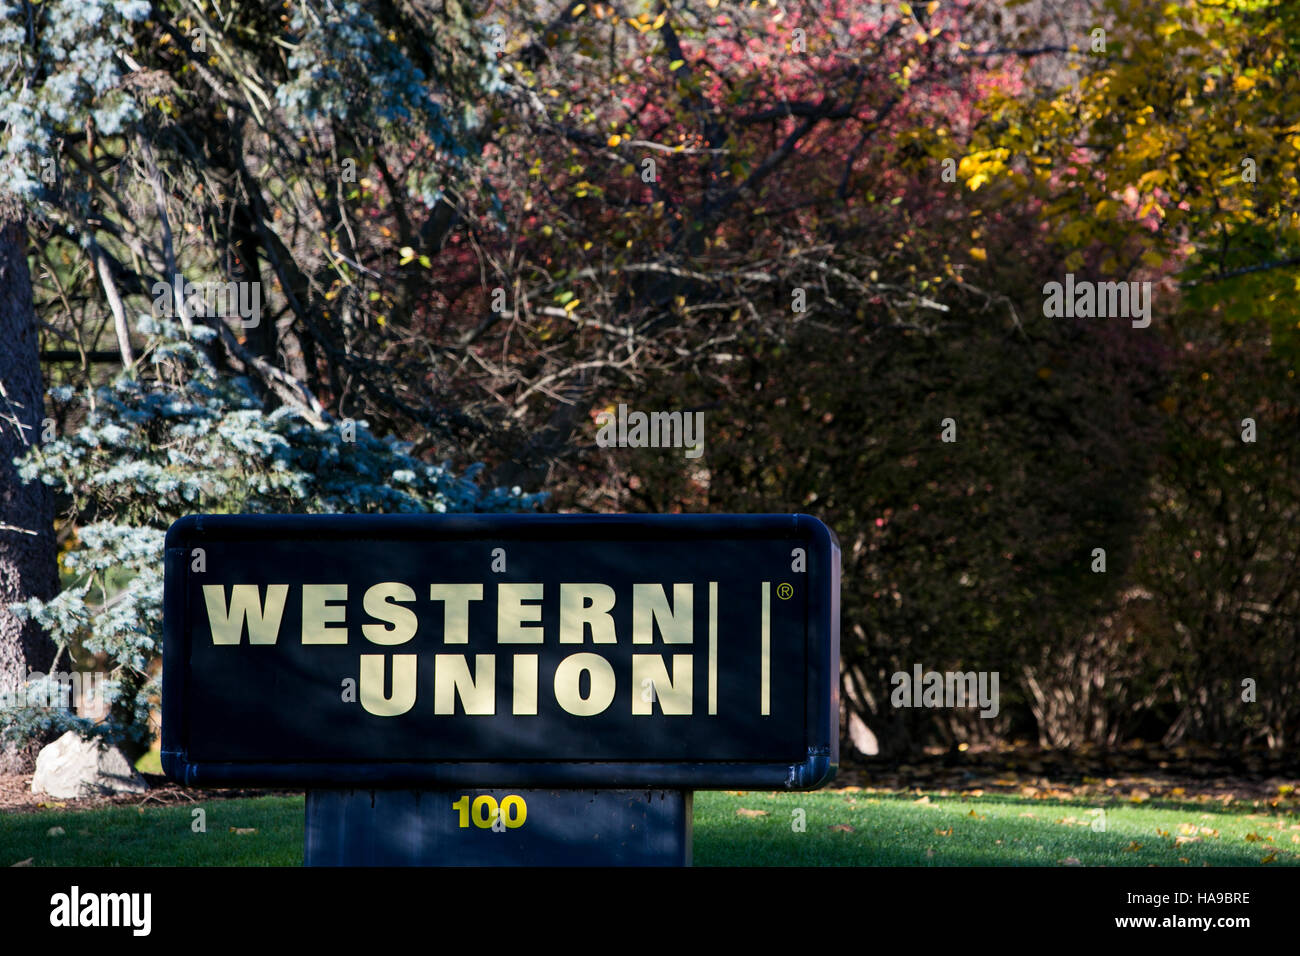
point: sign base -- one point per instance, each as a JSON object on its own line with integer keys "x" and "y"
{"x": 498, "y": 828}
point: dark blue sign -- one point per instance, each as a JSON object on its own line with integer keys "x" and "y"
{"x": 684, "y": 651}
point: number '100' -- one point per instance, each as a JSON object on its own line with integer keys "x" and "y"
{"x": 513, "y": 811}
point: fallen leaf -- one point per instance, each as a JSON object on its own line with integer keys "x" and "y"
{"x": 1270, "y": 858}
{"x": 1161, "y": 833}
{"x": 743, "y": 812}
{"x": 736, "y": 793}
{"x": 51, "y": 806}
{"x": 1133, "y": 847}
{"x": 1070, "y": 861}
{"x": 947, "y": 832}
{"x": 924, "y": 799}
{"x": 243, "y": 830}
{"x": 1252, "y": 837}
{"x": 26, "y": 862}
{"x": 842, "y": 827}
{"x": 55, "y": 831}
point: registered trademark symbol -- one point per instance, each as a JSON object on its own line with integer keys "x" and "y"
{"x": 784, "y": 592}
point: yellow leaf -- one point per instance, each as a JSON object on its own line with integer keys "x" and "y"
{"x": 1270, "y": 858}
{"x": 744, "y": 812}
{"x": 978, "y": 254}
{"x": 615, "y": 140}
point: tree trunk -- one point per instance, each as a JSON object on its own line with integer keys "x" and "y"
{"x": 28, "y": 565}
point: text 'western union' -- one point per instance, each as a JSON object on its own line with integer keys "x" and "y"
{"x": 585, "y": 610}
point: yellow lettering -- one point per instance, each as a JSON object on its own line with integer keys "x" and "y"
{"x": 512, "y": 612}
{"x": 245, "y": 602}
{"x": 317, "y": 614}
{"x": 576, "y": 613}
{"x": 650, "y": 607}
{"x": 402, "y": 621}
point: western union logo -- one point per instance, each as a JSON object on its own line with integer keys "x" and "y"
{"x": 387, "y": 682}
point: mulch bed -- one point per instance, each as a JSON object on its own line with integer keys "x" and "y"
{"x": 1133, "y": 774}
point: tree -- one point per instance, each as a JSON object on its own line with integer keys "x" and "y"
{"x": 177, "y": 438}
{"x": 27, "y": 546}
{"x": 149, "y": 143}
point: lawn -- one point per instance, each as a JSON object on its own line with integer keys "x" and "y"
{"x": 839, "y": 828}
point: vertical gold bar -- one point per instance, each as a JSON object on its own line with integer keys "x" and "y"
{"x": 713, "y": 647}
{"x": 765, "y": 707}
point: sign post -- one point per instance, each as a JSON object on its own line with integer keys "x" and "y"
{"x": 497, "y": 689}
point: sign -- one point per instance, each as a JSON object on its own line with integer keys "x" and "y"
{"x": 682, "y": 651}
{"x": 498, "y": 828}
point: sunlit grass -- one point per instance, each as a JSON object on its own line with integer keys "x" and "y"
{"x": 835, "y": 828}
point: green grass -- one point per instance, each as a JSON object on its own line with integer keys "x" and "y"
{"x": 159, "y": 836}
{"x": 888, "y": 830}
{"x": 895, "y": 830}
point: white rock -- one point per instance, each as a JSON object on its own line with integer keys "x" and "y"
{"x": 71, "y": 768}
